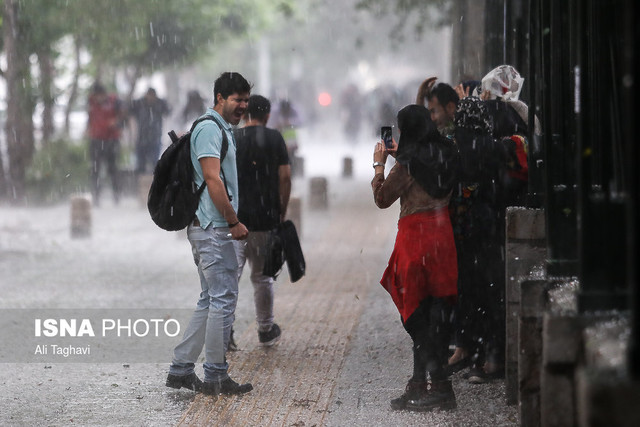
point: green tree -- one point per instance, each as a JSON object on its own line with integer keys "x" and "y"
{"x": 421, "y": 13}
{"x": 137, "y": 37}
{"x": 19, "y": 123}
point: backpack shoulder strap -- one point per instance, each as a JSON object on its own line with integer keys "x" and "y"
{"x": 225, "y": 142}
{"x": 223, "y": 150}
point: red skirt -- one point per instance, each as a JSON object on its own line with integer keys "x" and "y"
{"x": 423, "y": 262}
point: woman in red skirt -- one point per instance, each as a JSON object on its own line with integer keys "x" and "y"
{"x": 422, "y": 272}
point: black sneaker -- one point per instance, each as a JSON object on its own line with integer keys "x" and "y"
{"x": 191, "y": 381}
{"x": 227, "y": 386}
{"x": 271, "y": 337}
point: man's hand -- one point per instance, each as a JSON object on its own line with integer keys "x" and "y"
{"x": 424, "y": 89}
{"x": 462, "y": 93}
{"x": 239, "y": 232}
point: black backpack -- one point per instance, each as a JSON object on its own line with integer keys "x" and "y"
{"x": 174, "y": 196}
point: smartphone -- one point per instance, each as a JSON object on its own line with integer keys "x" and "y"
{"x": 386, "y": 135}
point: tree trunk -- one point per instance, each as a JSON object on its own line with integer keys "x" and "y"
{"x": 468, "y": 54}
{"x": 73, "y": 94}
{"x": 46, "y": 92}
{"x": 132, "y": 79}
{"x": 19, "y": 122}
{"x": 3, "y": 179}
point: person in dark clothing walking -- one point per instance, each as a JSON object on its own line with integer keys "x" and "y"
{"x": 148, "y": 112}
{"x": 264, "y": 180}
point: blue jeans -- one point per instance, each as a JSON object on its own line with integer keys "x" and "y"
{"x": 210, "y": 326}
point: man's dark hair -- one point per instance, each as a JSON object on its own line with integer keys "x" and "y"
{"x": 444, "y": 93}
{"x": 228, "y": 83}
{"x": 259, "y": 107}
{"x": 506, "y": 120}
{"x": 98, "y": 88}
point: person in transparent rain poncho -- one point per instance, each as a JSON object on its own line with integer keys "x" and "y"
{"x": 421, "y": 276}
{"x": 504, "y": 83}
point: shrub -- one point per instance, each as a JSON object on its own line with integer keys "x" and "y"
{"x": 57, "y": 170}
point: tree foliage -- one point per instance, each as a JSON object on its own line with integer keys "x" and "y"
{"x": 136, "y": 37}
{"x": 419, "y": 14}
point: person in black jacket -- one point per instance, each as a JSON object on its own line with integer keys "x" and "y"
{"x": 477, "y": 217}
{"x": 148, "y": 112}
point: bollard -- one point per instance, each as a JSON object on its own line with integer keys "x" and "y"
{"x": 533, "y": 297}
{"x": 347, "y": 167}
{"x": 297, "y": 166}
{"x": 144, "y": 184}
{"x": 525, "y": 249}
{"x": 606, "y": 397}
{"x": 318, "y": 198}
{"x": 294, "y": 213}
{"x": 80, "y": 215}
{"x": 561, "y": 345}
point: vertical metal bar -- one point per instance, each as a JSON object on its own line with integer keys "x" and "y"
{"x": 602, "y": 201}
{"x": 504, "y": 31}
{"x": 559, "y": 146}
{"x": 535, "y": 158}
{"x": 629, "y": 96}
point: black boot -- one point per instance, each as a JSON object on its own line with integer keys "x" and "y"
{"x": 190, "y": 381}
{"x": 439, "y": 395}
{"x": 227, "y": 386}
{"x": 412, "y": 391}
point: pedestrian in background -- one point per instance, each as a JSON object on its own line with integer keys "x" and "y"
{"x": 104, "y": 129}
{"x": 422, "y": 272}
{"x": 212, "y": 236}
{"x": 476, "y": 215}
{"x": 264, "y": 180}
{"x": 194, "y": 107}
{"x": 148, "y": 112}
{"x": 287, "y": 120}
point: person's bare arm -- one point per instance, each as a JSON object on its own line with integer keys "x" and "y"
{"x": 424, "y": 89}
{"x": 387, "y": 190}
{"x": 461, "y": 91}
{"x": 218, "y": 194}
{"x": 284, "y": 175}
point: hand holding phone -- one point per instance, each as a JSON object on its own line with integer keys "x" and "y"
{"x": 387, "y": 136}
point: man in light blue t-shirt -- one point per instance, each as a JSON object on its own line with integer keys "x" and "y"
{"x": 211, "y": 235}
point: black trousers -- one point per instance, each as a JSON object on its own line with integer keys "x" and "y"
{"x": 430, "y": 328}
{"x": 104, "y": 151}
{"x": 480, "y": 312}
